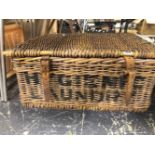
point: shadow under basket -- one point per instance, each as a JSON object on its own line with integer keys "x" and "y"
{"x": 86, "y": 71}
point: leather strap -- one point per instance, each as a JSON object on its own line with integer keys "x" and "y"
{"x": 45, "y": 73}
{"x": 130, "y": 67}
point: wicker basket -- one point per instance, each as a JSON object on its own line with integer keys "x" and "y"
{"x": 86, "y": 71}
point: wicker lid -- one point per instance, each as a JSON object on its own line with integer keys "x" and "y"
{"x": 86, "y": 45}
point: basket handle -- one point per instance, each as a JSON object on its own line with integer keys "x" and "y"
{"x": 130, "y": 66}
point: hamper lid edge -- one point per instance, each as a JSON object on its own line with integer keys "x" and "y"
{"x": 88, "y": 52}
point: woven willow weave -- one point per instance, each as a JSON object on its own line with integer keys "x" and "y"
{"x": 86, "y": 71}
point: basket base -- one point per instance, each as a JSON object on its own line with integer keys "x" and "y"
{"x": 97, "y": 107}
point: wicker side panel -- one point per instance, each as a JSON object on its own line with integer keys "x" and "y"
{"x": 29, "y": 81}
{"x": 95, "y": 84}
